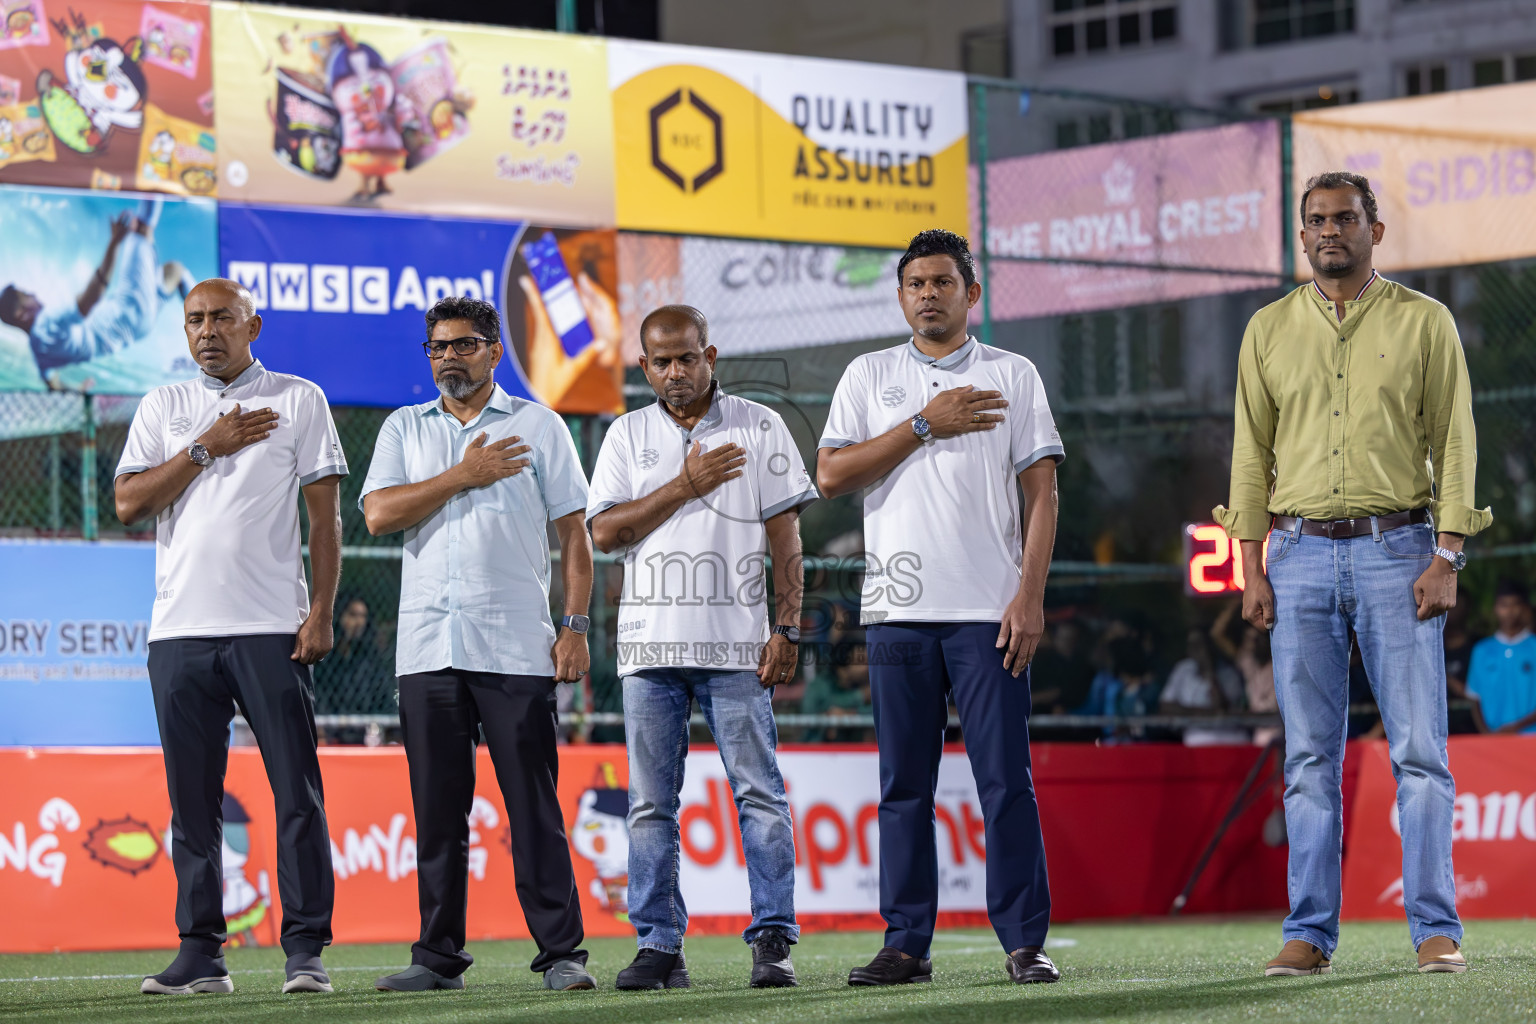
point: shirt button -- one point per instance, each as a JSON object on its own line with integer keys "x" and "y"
{"x": 1341, "y": 376}
{"x": 935, "y": 383}
{"x": 1341, "y": 339}
{"x": 1335, "y": 451}
{"x": 1335, "y": 490}
{"x": 1335, "y": 412}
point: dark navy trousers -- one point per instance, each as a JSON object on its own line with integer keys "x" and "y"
{"x": 912, "y": 667}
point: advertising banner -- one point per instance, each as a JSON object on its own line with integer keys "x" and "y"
{"x": 422, "y": 116}
{"x": 73, "y": 644}
{"x": 1197, "y": 200}
{"x": 721, "y": 142}
{"x": 91, "y": 287}
{"x": 343, "y": 296}
{"x": 83, "y": 842}
{"x": 1454, "y": 173}
{"x": 110, "y": 94}
{"x": 1493, "y": 831}
{"x": 760, "y": 296}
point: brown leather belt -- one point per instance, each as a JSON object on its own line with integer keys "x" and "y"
{"x": 1339, "y": 529}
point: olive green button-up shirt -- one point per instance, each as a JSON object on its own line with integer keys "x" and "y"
{"x": 1340, "y": 420}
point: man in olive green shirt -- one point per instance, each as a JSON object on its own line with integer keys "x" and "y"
{"x": 1353, "y": 441}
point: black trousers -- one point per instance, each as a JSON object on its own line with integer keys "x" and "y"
{"x": 441, "y": 714}
{"x": 197, "y": 682}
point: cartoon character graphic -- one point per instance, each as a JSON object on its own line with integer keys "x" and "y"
{"x": 104, "y": 88}
{"x": 363, "y": 90}
{"x": 20, "y": 23}
{"x": 601, "y": 835}
{"x": 7, "y": 139}
{"x": 161, "y": 149}
{"x": 245, "y": 904}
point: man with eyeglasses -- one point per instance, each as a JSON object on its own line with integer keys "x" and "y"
{"x": 475, "y": 643}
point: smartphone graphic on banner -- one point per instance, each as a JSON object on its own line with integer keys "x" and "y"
{"x": 558, "y": 290}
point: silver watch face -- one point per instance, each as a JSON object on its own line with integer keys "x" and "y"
{"x": 577, "y": 623}
{"x": 198, "y": 453}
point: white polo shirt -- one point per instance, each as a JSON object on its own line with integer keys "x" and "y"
{"x": 695, "y": 590}
{"x": 941, "y": 530}
{"x": 227, "y": 560}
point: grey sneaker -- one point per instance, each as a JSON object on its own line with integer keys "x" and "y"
{"x": 416, "y": 978}
{"x": 568, "y": 976}
{"x": 305, "y": 974}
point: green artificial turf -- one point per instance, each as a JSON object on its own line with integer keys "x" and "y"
{"x": 1159, "y": 971}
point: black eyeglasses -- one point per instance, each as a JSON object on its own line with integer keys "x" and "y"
{"x": 463, "y": 346}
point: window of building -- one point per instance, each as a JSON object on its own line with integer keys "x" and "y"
{"x": 1332, "y": 94}
{"x": 1096, "y": 26}
{"x": 1424, "y": 78}
{"x": 1121, "y": 353}
{"x": 1247, "y": 23}
{"x": 1506, "y": 67}
{"x": 1112, "y": 125}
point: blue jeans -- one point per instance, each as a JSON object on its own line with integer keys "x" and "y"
{"x": 1323, "y": 588}
{"x": 739, "y": 711}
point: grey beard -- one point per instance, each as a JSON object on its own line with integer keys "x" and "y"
{"x": 933, "y": 332}
{"x": 460, "y": 388}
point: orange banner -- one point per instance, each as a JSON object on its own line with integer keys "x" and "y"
{"x": 84, "y": 856}
{"x": 1493, "y": 833}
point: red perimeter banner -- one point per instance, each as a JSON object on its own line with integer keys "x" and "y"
{"x": 1493, "y": 834}
{"x": 84, "y": 861}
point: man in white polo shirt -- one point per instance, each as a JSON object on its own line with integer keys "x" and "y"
{"x": 699, "y": 489}
{"x": 475, "y": 479}
{"x": 220, "y": 461}
{"x": 936, "y": 431}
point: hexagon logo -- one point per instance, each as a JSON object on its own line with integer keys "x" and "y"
{"x": 684, "y": 137}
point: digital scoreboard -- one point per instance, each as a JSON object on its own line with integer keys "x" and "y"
{"x": 1213, "y": 564}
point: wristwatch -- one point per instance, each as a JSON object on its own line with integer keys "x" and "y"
{"x": 1458, "y": 559}
{"x": 921, "y": 429}
{"x": 198, "y": 453}
{"x": 790, "y": 633}
{"x": 576, "y": 623}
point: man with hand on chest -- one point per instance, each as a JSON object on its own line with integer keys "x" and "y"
{"x": 474, "y": 479}
{"x": 220, "y": 461}
{"x": 953, "y": 599}
{"x": 698, "y": 490}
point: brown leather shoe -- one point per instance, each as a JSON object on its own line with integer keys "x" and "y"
{"x": 1298, "y": 957}
{"x": 1439, "y": 954}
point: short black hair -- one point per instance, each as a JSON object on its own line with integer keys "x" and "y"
{"x": 672, "y": 318}
{"x": 10, "y": 300}
{"x": 938, "y": 242}
{"x": 1330, "y": 180}
{"x": 461, "y": 307}
{"x": 1512, "y": 588}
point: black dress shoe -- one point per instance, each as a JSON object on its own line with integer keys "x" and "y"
{"x": 1030, "y": 964}
{"x": 771, "y": 964}
{"x": 654, "y": 969}
{"x": 889, "y": 967}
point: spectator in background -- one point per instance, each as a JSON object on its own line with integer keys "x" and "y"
{"x": 1252, "y": 657}
{"x": 355, "y": 679}
{"x": 1127, "y": 687}
{"x": 1202, "y": 684}
{"x": 1459, "y": 642}
{"x": 1061, "y": 673}
{"x": 1502, "y": 677}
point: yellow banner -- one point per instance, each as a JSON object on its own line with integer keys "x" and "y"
{"x": 427, "y": 117}
{"x": 1454, "y": 173}
{"x": 720, "y": 142}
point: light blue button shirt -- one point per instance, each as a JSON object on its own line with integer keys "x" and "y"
{"x": 474, "y": 584}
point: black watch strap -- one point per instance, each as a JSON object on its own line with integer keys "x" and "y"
{"x": 790, "y": 633}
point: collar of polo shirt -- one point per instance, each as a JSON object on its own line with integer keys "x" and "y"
{"x": 247, "y": 375}
{"x": 950, "y": 361}
{"x": 499, "y": 401}
{"x": 710, "y": 419}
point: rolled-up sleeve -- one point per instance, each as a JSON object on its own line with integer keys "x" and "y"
{"x": 1247, "y": 517}
{"x": 1450, "y": 429}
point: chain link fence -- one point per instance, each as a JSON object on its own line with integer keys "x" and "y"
{"x": 1126, "y": 273}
